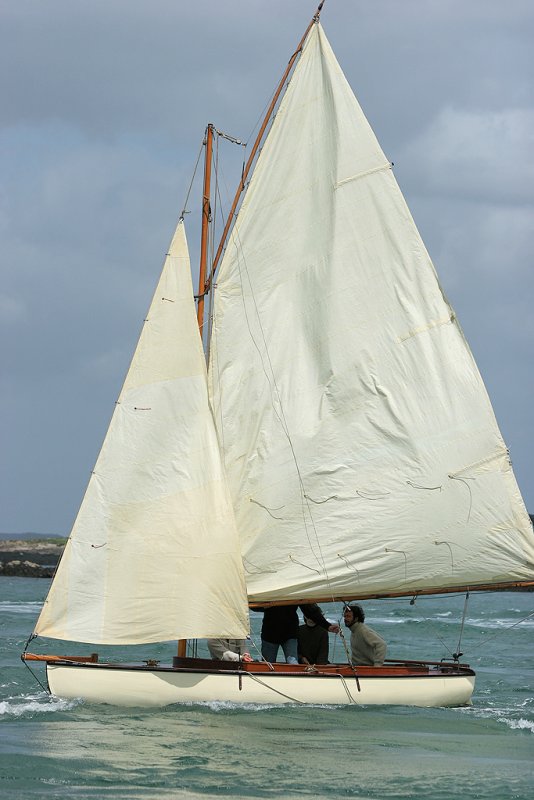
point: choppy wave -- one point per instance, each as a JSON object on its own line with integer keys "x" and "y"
{"x": 500, "y": 623}
{"x": 522, "y": 724}
{"x": 449, "y": 619}
{"x": 225, "y": 705}
{"x": 28, "y": 705}
{"x": 506, "y": 715}
{"x": 511, "y": 722}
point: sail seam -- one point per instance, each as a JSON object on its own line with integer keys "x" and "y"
{"x": 437, "y": 323}
{"x": 493, "y": 457}
{"x": 359, "y": 175}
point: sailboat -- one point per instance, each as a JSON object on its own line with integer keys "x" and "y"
{"x": 339, "y": 445}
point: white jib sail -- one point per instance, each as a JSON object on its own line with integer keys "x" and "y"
{"x": 359, "y": 442}
{"x": 154, "y": 553}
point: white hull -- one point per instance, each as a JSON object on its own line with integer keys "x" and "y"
{"x": 155, "y": 687}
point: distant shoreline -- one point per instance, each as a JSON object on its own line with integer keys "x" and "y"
{"x": 29, "y": 535}
{"x": 30, "y": 557}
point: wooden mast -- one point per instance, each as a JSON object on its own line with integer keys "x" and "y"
{"x": 206, "y": 214}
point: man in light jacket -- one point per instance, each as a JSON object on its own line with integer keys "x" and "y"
{"x": 229, "y": 649}
{"x": 368, "y": 648}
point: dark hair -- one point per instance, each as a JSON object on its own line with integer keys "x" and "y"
{"x": 358, "y": 612}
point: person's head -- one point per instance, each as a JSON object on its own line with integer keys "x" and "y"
{"x": 352, "y": 614}
{"x": 309, "y": 622}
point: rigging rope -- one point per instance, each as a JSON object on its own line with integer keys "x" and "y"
{"x": 44, "y": 688}
{"x": 445, "y": 645}
{"x": 346, "y": 687}
{"x": 276, "y": 691}
{"x": 344, "y": 641}
{"x": 509, "y": 628}
{"x": 349, "y": 659}
{"x": 301, "y": 702}
{"x": 184, "y": 209}
{"x": 457, "y": 655}
{"x": 262, "y": 657}
{"x": 31, "y": 637}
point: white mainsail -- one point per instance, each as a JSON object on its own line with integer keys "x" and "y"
{"x": 154, "y": 552}
{"x": 359, "y": 442}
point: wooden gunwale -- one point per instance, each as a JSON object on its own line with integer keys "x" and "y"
{"x": 197, "y": 665}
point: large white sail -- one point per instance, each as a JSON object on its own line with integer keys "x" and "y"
{"x": 154, "y": 553}
{"x": 360, "y": 445}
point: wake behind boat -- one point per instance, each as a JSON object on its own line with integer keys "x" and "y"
{"x": 342, "y": 444}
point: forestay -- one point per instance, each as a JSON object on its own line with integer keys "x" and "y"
{"x": 154, "y": 553}
{"x": 359, "y": 442}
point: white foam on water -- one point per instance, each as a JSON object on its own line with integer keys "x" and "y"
{"x": 519, "y": 724}
{"x": 28, "y": 705}
{"x": 503, "y": 715}
{"x": 395, "y": 620}
{"x": 225, "y": 705}
{"x": 445, "y": 617}
{"x": 500, "y": 623}
{"x": 8, "y": 607}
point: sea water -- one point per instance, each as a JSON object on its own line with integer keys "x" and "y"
{"x": 51, "y": 748}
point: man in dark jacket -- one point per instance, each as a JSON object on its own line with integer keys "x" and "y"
{"x": 280, "y": 629}
{"x": 313, "y": 643}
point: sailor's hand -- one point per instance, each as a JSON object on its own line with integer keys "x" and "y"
{"x": 333, "y": 628}
{"x": 229, "y": 655}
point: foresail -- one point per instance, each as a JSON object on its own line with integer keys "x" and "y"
{"x": 360, "y": 445}
{"x": 154, "y": 552}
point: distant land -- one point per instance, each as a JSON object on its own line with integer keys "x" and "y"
{"x": 18, "y": 536}
{"x": 30, "y": 555}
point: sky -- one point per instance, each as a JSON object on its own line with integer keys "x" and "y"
{"x": 104, "y": 105}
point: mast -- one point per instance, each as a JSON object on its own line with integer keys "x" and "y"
{"x": 206, "y": 214}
